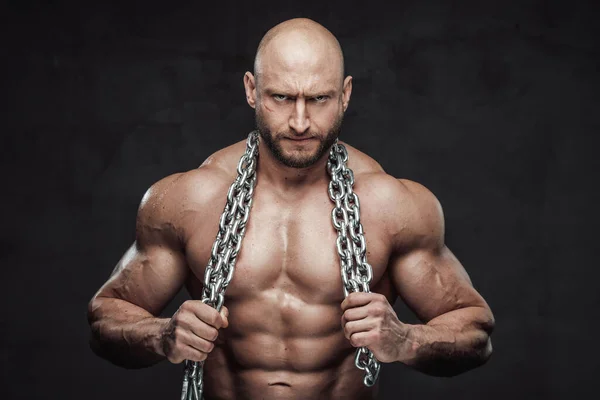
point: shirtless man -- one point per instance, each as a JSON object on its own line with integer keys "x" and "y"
{"x": 286, "y": 330}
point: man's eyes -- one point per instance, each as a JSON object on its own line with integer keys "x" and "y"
{"x": 282, "y": 97}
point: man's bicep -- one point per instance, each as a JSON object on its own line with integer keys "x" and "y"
{"x": 154, "y": 268}
{"x": 148, "y": 277}
{"x": 425, "y": 273}
{"x": 433, "y": 282}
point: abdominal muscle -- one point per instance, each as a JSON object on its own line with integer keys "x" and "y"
{"x": 279, "y": 347}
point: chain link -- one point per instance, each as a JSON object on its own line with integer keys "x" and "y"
{"x": 351, "y": 247}
{"x": 223, "y": 256}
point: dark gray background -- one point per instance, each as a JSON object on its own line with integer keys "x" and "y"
{"x": 493, "y": 105}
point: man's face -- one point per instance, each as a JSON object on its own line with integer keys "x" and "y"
{"x": 297, "y": 148}
{"x": 299, "y": 98}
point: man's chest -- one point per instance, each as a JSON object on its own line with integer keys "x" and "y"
{"x": 290, "y": 246}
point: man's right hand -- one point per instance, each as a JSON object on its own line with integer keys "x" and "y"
{"x": 191, "y": 332}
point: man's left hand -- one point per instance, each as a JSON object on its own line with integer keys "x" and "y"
{"x": 369, "y": 320}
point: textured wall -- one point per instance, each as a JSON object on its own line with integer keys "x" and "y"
{"x": 493, "y": 105}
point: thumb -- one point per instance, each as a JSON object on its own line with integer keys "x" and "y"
{"x": 224, "y": 314}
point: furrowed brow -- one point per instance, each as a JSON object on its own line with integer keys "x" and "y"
{"x": 316, "y": 93}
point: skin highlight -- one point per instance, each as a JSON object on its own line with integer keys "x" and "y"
{"x": 286, "y": 330}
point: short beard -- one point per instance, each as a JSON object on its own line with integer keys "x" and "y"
{"x": 296, "y": 162}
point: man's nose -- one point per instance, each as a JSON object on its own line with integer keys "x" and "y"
{"x": 299, "y": 120}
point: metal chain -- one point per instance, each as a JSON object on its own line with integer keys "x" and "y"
{"x": 350, "y": 244}
{"x": 226, "y": 247}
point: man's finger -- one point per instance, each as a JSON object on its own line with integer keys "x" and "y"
{"x": 193, "y": 354}
{"x": 198, "y": 343}
{"x": 354, "y": 314}
{"x": 363, "y": 325}
{"x": 205, "y": 313}
{"x": 225, "y": 315}
{"x": 357, "y": 299}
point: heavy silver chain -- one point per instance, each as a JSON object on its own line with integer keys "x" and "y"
{"x": 223, "y": 256}
{"x": 350, "y": 244}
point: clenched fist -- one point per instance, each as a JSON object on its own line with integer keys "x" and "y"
{"x": 191, "y": 332}
{"x": 369, "y": 320}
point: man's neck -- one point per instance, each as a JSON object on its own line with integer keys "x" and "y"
{"x": 286, "y": 178}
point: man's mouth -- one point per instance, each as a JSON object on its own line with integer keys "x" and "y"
{"x": 300, "y": 139}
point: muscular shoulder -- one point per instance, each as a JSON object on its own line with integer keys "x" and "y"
{"x": 361, "y": 163}
{"x": 166, "y": 203}
{"x": 411, "y": 213}
{"x": 424, "y": 216}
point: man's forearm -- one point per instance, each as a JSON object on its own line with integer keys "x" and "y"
{"x": 125, "y": 334}
{"x": 450, "y": 344}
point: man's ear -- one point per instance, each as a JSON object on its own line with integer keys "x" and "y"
{"x": 250, "y": 86}
{"x": 346, "y": 92}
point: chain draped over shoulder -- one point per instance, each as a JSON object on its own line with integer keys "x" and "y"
{"x": 350, "y": 244}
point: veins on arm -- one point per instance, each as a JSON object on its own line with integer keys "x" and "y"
{"x": 123, "y": 313}
{"x": 434, "y": 284}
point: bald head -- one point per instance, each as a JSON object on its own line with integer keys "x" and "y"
{"x": 299, "y": 43}
{"x": 298, "y": 89}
